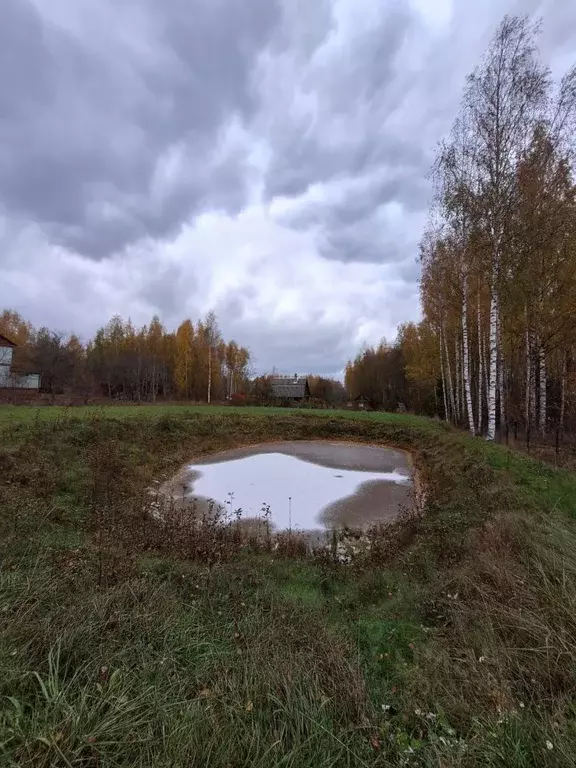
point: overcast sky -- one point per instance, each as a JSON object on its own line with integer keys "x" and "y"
{"x": 264, "y": 158}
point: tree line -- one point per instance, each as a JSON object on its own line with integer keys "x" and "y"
{"x": 129, "y": 363}
{"x": 145, "y": 364}
{"x": 496, "y": 347}
{"x": 377, "y": 374}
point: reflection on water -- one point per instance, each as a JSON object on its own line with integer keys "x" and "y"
{"x": 297, "y": 492}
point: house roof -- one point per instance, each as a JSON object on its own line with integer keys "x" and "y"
{"x": 6, "y": 342}
{"x": 289, "y": 386}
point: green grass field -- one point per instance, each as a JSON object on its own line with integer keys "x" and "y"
{"x": 10, "y": 413}
{"x": 127, "y": 641}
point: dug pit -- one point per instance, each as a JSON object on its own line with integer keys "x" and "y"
{"x": 303, "y": 486}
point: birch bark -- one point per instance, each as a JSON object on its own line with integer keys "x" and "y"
{"x": 493, "y": 352}
{"x": 450, "y": 387}
{"x": 542, "y": 388}
{"x": 446, "y": 413}
{"x": 466, "y": 358}
{"x": 457, "y": 379}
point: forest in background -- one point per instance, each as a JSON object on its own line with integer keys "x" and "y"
{"x": 496, "y": 347}
{"x": 128, "y": 363}
{"x": 147, "y": 364}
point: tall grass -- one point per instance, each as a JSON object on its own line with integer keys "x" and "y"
{"x": 449, "y": 640}
{"x": 173, "y": 670}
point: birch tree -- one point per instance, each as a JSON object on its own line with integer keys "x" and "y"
{"x": 498, "y": 268}
{"x": 455, "y": 180}
{"x": 503, "y": 96}
{"x": 212, "y": 337}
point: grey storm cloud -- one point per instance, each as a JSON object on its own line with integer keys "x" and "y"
{"x": 87, "y": 122}
{"x": 264, "y": 158}
{"x": 389, "y": 116}
{"x": 360, "y": 91}
{"x": 355, "y": 228}
{"x": 358, "y": 86}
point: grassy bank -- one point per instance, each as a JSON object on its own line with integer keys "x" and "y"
{"x": 17, "y": 414}
{"x": 125, "y": 642}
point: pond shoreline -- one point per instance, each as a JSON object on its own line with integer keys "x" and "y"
{"x": 376, "y": 501}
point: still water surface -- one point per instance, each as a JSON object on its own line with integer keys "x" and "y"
{"x": 306, "y": 485}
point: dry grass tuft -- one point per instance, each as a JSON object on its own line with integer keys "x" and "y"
{"x": 177, "y": 638}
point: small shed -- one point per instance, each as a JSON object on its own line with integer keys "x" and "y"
{"x": 290, "y": 387}
{"x": 362, "y": 403}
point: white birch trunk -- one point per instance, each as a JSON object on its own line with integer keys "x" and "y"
{"x": 542, "y": 388}
{"x": 450, "y": 387}
{"x": 466, "y": 360}
{"x": 493, "y": 355}
{"x": 480, "y": 367}
{"x": 528, "y": 395}
{"x": 446, "y": 414}
{"x": 457, "y": 378}
{"x": 485, "y": 367}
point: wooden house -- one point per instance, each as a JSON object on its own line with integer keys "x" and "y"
{"x": 289, "y": 387}
{"x": 10, "y": 379}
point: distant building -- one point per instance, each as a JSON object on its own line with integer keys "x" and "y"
{"x": 361, "y": 403}
{"x": 289, "y": 387}
{"x": 9, "y": 379}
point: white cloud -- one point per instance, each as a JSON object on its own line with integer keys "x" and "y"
{"x": 268, "y": 162}
{"x": 264, "y": 279}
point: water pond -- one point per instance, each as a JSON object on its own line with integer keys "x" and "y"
{"x": 305, "y": 486}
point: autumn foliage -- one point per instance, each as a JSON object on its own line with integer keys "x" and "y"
{"x": 129, "y": 363}
{"x": 499, "y": 258}
{"x": 496, "y": 348}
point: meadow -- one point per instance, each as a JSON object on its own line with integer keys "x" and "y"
{"x": 129, "y": 641}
